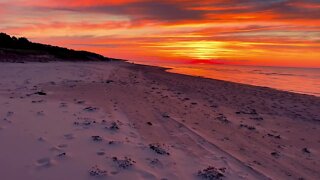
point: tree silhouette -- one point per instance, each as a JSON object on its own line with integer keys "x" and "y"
{"x": 22, "y": 43}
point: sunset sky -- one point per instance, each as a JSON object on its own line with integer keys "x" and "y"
{"x": 250, "y": 32}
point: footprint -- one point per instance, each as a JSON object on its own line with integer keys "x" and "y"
{"x": 63, "y": 105}
{"x": 80, "y": 102}
{"x": 101, "y": 153}
{"x": 40, "y": 113}
{"x": 42, "y": 139}
{"x": 97, "y": 171}
{"x": 62, "y": 156}
{"x": 133, "y": 135}
{"x": 155, "y": 162}
{"x": 7, "y": 120}
{"x": 56, "y": 148}
{"x": 97, "y": 138}
{"x": 63, "y": 145}
{"x": 9, "y": 113}
{"x": 45, "y": 162}
{"x": 90, "y": 109}
{"x": 69, "y": 136}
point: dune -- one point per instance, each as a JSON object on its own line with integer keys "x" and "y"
{"x": 116, "y": 120}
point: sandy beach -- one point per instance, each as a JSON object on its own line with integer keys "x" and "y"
{"x": 116, "y": 120}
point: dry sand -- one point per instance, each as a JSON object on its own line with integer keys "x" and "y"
{"x": 117, "y": 120}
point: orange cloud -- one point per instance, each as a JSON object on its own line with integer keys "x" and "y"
{"x": 247, "y": 32}
{"x": 75, "y": 3}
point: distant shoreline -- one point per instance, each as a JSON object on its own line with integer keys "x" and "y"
{"x": 167, "y": 70}
{"x": 171, "y": 69}
{"x": 21, "y": 50}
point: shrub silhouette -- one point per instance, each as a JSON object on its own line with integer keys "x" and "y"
{"x": 22, "y": 43}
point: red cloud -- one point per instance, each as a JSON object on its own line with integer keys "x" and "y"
{"x": 76, "y": 3}
{"x": 174, "y": 29}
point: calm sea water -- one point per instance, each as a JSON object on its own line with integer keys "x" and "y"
{"x": 299, "y": 80}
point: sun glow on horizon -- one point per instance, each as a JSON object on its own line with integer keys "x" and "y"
{"x": 194, "y": 49}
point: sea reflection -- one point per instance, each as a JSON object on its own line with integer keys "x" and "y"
{"x": 299, "y": 80}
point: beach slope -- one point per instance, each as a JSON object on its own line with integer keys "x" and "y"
{"x": 116, "y": 120}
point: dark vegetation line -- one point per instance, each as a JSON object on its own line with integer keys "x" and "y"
{"x": 13, "y": 49}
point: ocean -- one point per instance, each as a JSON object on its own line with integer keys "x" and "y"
{"x": 292, "y": 79}
{"x": 298, "y": 80}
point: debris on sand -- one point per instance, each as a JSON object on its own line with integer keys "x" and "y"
{"x": 211, "y": 173}
{"x": 306, "y": 150}
{"x": 9, "y": 113}
{"x": 158, "y": 149}
{"x": 257, "y": 118}
{"x": 123, "y": 163}
{"x": 275, "y": 154}
{"x": 41, "y": 93}
{"x": 165, "y": 115}
{"x": 101, "y": 153}
{"x": 42, "y": 139}
{"x": 155, "y": 163}
{"x": 275, "y": 136}
{"x": 38, "y": 101}
{"x": 222, "y": 118}
{"x": 63, "y": 105}
{"x": 97, "y": 172}
{"x": 63, "y": 154}
{"x": 247, "y": 110}
{"x": 149, "y": 123}
{"x": 96, "y": 138}
{"x": 52, "y": 83}
{"x": 114, "y": 126}
{"x": 90, "y": 109}
{"x": 85, "y": 122}
{"x": 79, "y": 101}
{"x": 109, "y": 81}
{"x": 248, "y": 127}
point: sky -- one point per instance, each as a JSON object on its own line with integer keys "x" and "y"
{"x": 247, "y": 32}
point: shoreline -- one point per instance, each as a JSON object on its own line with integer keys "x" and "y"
{"x": 167, "y": 70}
{"x": 118, "y": 120}
{"x": 257, "y": 84}
{"x": 176, "y": 70}
{"x": 172, "y": 70}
